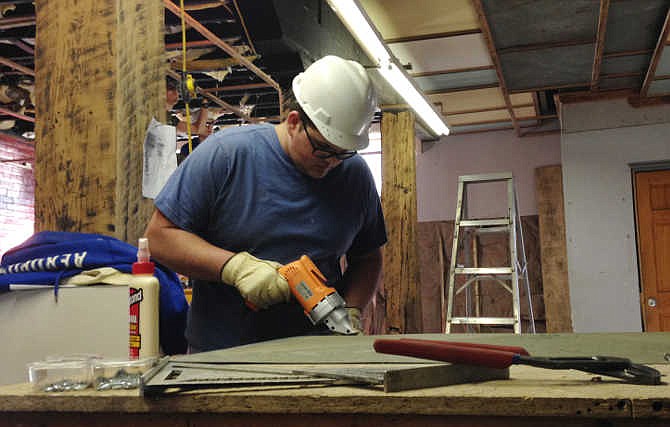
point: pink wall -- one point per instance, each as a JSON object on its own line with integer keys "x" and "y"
{"x": 17, "y": 192}
{"x": 439, "y": 167}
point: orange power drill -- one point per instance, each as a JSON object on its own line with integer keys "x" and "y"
{"x": 321, "y": 303}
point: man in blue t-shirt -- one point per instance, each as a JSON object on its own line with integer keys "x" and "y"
{"x": 252, "y": 198}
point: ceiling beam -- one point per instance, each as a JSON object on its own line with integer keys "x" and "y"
{"x": 488, "y": 38}
{"x": 195, "y": 43}
{"x": 479, "y": 110}
{"x": 542, "y": 46}
{"x": 452, "y": 71}
{"x": 483, "y": 122}
{"x": 539, "y": 117}
{"x": 432, "y": 36}
{"x": 20, "y": 44}
{"x": 18, "y": 67}
{"x": 637, "y": 101}
{"x": 495, "y": 121}
{"x": 660, "y": 45}
{"x": 600, "y": 43}
{"x": 202, "y": 65}
{"x": 510, "y": 127}
{"x": 461, "y": 89}
{"x": 6, "y": 112}
{"x": 575, "y": 97}
{"x": 236, "y": 87}
{"x": 620, "y": 75}
{"x": 627, "y": 53}
{"x": 540, "y": 132}
{"x": 552, "y": 87}
{"x": 244, "y": 27}
{"x": 17, "y": 22}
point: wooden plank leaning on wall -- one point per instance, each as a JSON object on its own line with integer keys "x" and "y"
{"x": 551, "y": 218}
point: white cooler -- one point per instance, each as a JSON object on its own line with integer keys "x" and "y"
{"x": 84, "y": 319}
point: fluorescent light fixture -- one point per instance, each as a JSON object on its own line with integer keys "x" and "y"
{"x": 351, "y": 14}
{"x": 359, "y": 25}
{"x": 399, "y": 81}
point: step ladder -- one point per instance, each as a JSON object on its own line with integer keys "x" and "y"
{"x": 506, "y": 276}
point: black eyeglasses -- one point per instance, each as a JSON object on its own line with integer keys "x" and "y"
{"x": 325, "y": 152}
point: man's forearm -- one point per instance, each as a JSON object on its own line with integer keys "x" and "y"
{"x": 183, "y": 251}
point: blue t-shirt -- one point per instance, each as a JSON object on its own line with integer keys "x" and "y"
{"x": 240, "y": 191}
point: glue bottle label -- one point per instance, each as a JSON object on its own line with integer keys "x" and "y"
{"x": 135, "y": 338}
{"x": 143, "y": 313}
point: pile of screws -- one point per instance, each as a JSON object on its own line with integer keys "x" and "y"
{"x": 65, "y": 385}
{"x": 121, "y": 381}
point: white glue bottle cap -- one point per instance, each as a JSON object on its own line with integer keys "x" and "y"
{"x": 143, "y": 264}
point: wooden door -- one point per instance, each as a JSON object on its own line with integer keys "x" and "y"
{"x": 653, "y": 223}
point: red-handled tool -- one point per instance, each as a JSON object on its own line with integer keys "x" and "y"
{"x": 494, "y": 356}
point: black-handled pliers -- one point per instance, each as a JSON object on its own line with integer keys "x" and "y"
{"x": 494, "y": 356}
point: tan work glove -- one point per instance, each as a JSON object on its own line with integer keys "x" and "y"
{"x": 355, "y": 319}
{"x": 258, "y": 281}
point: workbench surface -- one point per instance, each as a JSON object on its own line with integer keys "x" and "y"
{"x": 532, "y": 396}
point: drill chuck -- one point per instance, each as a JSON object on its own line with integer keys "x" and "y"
{"x": 321, "y": 303}
{"x": 333, "y": 314}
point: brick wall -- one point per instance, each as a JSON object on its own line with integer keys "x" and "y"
{"x": 17, "y": 191}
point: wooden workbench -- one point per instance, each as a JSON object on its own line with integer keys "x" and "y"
{"x": 531, "y": 396}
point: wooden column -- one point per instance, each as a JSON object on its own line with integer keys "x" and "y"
{"x": 401, "y": 273}
{"x": 553, "y": 252}
{"x": 100, "y": 77}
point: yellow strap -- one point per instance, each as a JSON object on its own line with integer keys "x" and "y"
{"x": 189, "y": 84}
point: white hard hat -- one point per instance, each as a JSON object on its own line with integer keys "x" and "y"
{"x": 338, "y": 97}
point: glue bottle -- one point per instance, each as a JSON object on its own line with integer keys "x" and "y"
{"x": 143, "y": 306}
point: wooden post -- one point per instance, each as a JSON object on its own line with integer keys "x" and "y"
{"x": 401, "y": 273}
{"x": 549, "y": 194}
{"x": 100, "y": 77}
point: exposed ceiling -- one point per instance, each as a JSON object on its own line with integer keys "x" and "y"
{"x": 486, "y": 64}
{"x": 492, "y": 64}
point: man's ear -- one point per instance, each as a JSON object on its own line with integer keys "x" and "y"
{"x": 293, "y": 120}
